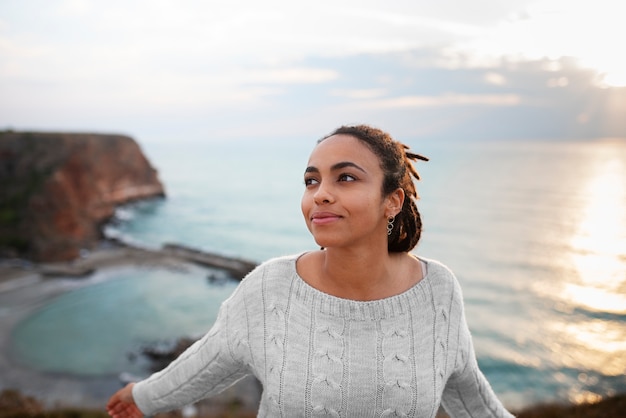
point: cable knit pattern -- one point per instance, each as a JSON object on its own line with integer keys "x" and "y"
{"x": 317, "y": 355}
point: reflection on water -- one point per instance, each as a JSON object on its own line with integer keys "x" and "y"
{"x": 595, "y": 296}
{"x": 598, "y": 250}
{"x": 599, "y": 245}
{"x": 593, "y": 292}
{"x": 536, "y": 233}
{"x": 597, "y": 345}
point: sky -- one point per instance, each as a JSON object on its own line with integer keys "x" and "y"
{"x": 200, "y": 70}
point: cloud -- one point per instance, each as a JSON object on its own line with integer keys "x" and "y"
{"x": 358, "y": 93}
{"x": 494, "y": 78}
{"x": 440, "y": 101}
{"x": 248, "y": 68}
{"x": 587, "y": 31}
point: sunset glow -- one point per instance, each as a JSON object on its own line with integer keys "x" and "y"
{"x": 587, "y": 32}
{"x": 590, "y": 291}
{"x": 600, "y": 242}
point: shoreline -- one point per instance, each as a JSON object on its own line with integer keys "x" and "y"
{"x": 27, "y": 286}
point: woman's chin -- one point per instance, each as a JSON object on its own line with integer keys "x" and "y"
{"x": 325, "y": 243}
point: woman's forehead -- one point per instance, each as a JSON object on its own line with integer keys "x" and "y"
{"x": 342, "y": 147}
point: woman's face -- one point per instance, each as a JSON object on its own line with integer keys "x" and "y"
{"x": 343, "y": 203}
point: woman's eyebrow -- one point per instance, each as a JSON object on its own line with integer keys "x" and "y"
{"x": 335, "y": 167}
{"x": 345, "y": 164}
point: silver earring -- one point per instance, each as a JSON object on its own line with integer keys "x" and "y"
{"x": 390, "y": 224}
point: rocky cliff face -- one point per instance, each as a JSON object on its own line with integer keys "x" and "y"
{"x": 56, "y": 190}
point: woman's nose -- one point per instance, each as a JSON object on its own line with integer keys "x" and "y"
{"x": 322, "y": 194}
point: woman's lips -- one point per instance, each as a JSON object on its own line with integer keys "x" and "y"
{"x": 323, "y": 218}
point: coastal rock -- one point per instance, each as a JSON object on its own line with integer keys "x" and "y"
{"x": 236, "y": 267}
{"x": 57, "y": 190}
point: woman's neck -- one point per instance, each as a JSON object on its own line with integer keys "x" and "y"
{"x": 364, "y": 274}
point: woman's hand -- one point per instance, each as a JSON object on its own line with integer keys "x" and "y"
{"x": 122, "y": 404}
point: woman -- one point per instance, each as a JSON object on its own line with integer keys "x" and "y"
{"x": 360, "y": 328}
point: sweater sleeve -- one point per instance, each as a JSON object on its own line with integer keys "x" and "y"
{"x": 467, "y": 393}
{"x": 205, "y": 368}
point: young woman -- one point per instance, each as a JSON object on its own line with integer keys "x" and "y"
{"x": 360, "y": 328}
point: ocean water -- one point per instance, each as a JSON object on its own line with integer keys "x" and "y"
{"x": 535, "y": 232}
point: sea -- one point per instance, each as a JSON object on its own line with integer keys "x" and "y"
{"x": 535, "y": 232}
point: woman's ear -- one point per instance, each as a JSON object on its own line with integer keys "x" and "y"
{"x": 395, "y": 200}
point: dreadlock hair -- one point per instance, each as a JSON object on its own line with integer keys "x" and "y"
{"x": 396, "y": 162}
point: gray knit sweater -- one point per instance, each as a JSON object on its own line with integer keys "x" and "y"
{"x": 319, "y": 355}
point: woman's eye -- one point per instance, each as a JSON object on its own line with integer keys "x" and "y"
{"x": 346, "y": 177}
{"x": 309, "y": 181}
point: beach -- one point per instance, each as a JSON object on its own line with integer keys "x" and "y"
{"x": 25, "y": 287}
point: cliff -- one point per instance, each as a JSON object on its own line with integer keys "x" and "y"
{"x": 57, "y": 189}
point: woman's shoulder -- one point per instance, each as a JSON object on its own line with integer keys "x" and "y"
{"x": 274, "y": 266}
{"x": 270, "y": 272}
{"x": 264, "y": 284}
{"x": 441, "y": 278}
{"x": 436, "y": 267}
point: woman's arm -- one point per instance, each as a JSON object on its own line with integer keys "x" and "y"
{"x": 467, "y": 392}
{"x": 206, "y": 368}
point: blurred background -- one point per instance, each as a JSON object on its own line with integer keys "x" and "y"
{"x": 520, "y": 104}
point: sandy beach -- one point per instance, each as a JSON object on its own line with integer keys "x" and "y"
{"x": 24, "y": 287}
